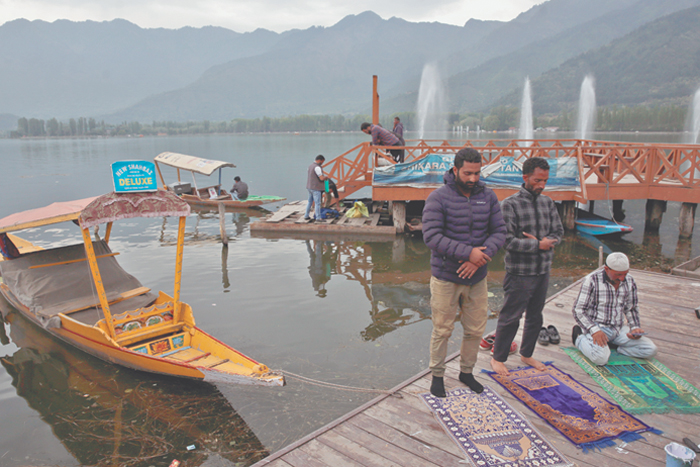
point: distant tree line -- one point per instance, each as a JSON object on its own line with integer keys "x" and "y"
{"x": 613, "y": 118}
{"x": 502, "y": 118}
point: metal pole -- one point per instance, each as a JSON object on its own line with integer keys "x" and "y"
{"x": 375, "y": 101}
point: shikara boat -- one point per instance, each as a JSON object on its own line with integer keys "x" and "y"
{"x": 80, "y": 294}
{"x": 209, "y": 196}
{"x": 598, "y": 226}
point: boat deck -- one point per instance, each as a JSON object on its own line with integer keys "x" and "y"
{"x": 289, "y": 220}
{"x": 399, "y": 430}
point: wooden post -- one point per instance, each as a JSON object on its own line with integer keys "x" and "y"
{"x": 375, "y": 101}
{"x": 618, "y": 212}
{"x": 178, "y": 268}
{"x": 654, "y": 213}
{"x": 600, "y": 256}
{"x": 97, "y": 277}
{"x": 398, "y": 215}
{"x": 686, "y": 219}
{"x": 568, "y": 214}
{"x": 222, "y": 223}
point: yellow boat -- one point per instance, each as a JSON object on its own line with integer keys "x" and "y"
{"x": 80, "y": 294}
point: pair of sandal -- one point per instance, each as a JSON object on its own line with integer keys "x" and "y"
{"x": 548, "y": 335}
{"x": 487, "y": 344}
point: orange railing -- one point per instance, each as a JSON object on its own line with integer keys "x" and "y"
{"x": 612, "y": 170}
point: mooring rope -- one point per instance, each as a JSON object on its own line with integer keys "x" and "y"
{"x": 337, "y": 386}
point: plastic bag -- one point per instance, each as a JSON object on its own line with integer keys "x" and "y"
{"x": 358, "y": 210}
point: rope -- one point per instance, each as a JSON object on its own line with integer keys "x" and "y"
{"x": 337, "y": 386}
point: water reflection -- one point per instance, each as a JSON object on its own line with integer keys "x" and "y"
{"x": 323, "y": 258}
{"x": 106, "y": 415}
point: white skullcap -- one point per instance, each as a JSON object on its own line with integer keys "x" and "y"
{"x": 618, "y": 262}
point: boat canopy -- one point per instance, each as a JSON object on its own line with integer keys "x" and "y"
{"x": 99, "y": 210}
{"x": 51, "y": 214}
{"x": 116, "y": 206}
{"x": 191, "y": 163}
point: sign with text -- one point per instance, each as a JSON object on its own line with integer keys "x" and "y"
{"x": 134, "y": 176}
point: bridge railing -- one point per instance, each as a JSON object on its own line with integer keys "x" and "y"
{"x": 627, "y": 170}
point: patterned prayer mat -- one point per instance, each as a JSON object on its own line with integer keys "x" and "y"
{"x": 490, "y": 432}
{"x": 582, "y": 416}
{"x": 641, "y": 386}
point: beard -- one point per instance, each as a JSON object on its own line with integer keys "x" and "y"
{"x": 466, "y": 186}
{"x": 532, "y": 189}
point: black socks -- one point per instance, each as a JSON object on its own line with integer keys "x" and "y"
{"x": 468, "y": 379}
{"x": 437, "y": 387}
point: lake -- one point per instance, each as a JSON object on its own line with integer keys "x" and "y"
{"x": 350, "y": 313}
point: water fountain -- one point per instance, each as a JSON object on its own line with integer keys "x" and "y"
{"x": 693, "y": 124}
{"x": 586, "y": 109}
{"x": 526, "y": 131}
{"x": 432, "y": 104}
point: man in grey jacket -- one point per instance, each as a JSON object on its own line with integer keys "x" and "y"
{"x": 534, "y": 227}
{"x": 463, "y": 227}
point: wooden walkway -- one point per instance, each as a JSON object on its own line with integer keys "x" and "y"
{"x": 399, "y": 430}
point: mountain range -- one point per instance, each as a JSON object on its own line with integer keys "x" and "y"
{"x": 640, "y": 51}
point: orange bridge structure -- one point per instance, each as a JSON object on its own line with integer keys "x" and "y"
{"x": 617, "y": 171}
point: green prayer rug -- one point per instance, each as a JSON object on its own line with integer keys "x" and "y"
{"x": 641, "y": 386}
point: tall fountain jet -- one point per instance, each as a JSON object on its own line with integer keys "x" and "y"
{"x": 693, "y": 126}
{"x": 586, "y": 109}
{"x": 526, "y": 131}
{"x": 432, "y": 104}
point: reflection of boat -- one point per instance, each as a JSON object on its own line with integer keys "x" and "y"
{"x": 210, "y": 196}
{"x": 80, "y": 294}
{"x": 592, "y": 224}
{"x": 108, "y": 417}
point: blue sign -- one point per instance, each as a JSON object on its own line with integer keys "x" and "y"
{"x": 504, "y": 173}
{"x": 134, "y": 176}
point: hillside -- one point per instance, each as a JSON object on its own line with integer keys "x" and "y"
{"x": 655, "y": 64}
{"x": 318, "y": 70}
{"x": 70, "y": 69}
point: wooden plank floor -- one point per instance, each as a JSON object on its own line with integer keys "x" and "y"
{"x": 399, "y": 430}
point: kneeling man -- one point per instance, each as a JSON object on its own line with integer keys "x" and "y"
{"x": 607, "y": 299}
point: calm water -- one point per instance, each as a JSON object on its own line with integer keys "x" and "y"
{"x": 351, "y": 313}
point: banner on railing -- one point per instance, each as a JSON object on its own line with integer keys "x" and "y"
{"x": 506, "y": 172}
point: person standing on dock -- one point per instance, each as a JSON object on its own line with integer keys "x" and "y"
{"x": 315, "y": 186}
{"x": 534, "y": 227}
{"x": 398, "y": 131}
{"x": 383, "y": 137}
{"x": 464, "y": 228}
{"x": 607, "y": 298}
{"x": 240, "y": 189}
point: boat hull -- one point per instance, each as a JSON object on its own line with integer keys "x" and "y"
{"x": 94, "y": 341}
{"x": 228, "y": 203}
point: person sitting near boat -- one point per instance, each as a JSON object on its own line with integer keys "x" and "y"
{"x": 240, "y": 189}
{"x": 607, "y": 298}
{"x": 330, "y": 194}
{"x": 383, "y": 137}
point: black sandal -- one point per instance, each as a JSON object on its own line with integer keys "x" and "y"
{"x": 554, "y": 337}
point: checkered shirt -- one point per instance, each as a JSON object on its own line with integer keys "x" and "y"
{"x": 598, "y": 303}
{"x": 538, "y": 216}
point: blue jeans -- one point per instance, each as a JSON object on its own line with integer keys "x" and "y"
{"x": 638, "y": 348}
{"x": 314, "y": 197}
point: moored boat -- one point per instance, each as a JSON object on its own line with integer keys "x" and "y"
{"x": 207, "y": 196}
{"x": 80, "y": 294}
{"x": 597, "y": 226}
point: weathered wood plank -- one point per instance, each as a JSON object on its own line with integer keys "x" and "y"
{"x": 359, "y": 453}
{"x": 327, "y": 455}
{"x": 299, "y": 458}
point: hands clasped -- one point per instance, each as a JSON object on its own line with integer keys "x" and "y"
{"x": 477, "y": 258}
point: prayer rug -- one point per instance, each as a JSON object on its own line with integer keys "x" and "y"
{"x": 581, "y": 415}
{"x": 641, "y": 386}
{"x": 490, "y": 432}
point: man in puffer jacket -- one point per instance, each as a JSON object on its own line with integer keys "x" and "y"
{"x": 464, "y": 228}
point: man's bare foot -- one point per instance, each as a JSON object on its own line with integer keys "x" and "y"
{"x": 538, "y": 365}
{"x": 499, "y": 367}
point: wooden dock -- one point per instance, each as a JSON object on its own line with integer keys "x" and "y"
{"x": 289, "y": 219}
{"x": 397, "y": 429}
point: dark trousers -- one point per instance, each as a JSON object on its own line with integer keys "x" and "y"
{"x": 524, "y": 294}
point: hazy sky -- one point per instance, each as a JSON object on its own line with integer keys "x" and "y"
{"x": 247, "y": 15}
